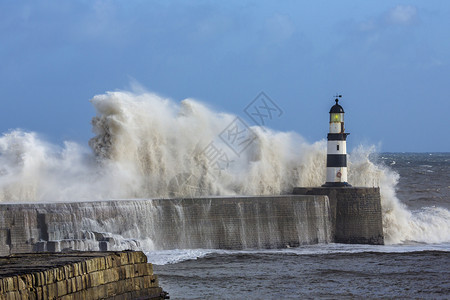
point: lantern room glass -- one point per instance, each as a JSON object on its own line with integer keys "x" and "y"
{"x": 336, "y": 117}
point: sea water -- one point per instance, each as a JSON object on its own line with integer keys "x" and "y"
{"x": 407, "y": 269}
{"x": 310, "y": 272}
{"x": 146, "y": 146}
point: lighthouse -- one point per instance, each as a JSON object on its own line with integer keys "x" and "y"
{"x": 336, "y": 148}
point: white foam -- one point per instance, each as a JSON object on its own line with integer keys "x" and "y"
{"x": 428, "y": 225}
{"x": 178, "y": 256}
{"x": 145, "y": 144}
{"x": 165, "y": 257}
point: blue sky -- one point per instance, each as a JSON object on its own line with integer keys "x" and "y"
{"x": 390, "y": 60}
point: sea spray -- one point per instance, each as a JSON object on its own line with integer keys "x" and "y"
{"x": 34, "y": 170}
{"x": 156, "y": 140}
{"x": 427, "y": 225}
{"x": 147, "y": 146}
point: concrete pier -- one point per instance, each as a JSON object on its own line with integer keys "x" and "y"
{"x": 79, "y": 275}
{"x": 220, "y": 222}
{"x": 311, "y": 216}
{"x": 355, "y": 213}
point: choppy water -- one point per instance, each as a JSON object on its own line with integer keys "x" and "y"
{"x": 315, "y": 274}
{"x": 330, "y": 271}
{"x": 147, "y": 146}
{"x": 424, "y": 177}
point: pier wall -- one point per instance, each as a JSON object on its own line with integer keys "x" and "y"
{"x": 215, "y": 223}
{"x": 355, "y": 213}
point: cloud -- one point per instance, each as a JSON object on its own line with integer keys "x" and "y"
{"x": 279, "y": 28}
{"x": 402, "y": 15}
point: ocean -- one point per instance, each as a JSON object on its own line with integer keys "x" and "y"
{"x": 400, "y": 270}
{"x": 146, "y": 146}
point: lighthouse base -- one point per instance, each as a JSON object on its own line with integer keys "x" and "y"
{"x": 355, "y": 213}
{"x": 336, "y": 184}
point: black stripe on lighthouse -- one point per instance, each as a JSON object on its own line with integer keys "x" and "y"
{"x": 337, "y": 136}
{"x": 336, "y": 160}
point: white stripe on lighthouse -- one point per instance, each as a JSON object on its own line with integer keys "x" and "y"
{"x": 336, "y": 147}
{"x": 337, "y": 174}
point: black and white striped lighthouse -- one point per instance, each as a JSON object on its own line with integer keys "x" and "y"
{"x": 337, "y": 148}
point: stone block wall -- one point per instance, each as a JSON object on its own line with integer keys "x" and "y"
{"x": 78, "y": 275}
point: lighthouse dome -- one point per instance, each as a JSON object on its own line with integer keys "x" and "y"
{"x": 336, "y": 109}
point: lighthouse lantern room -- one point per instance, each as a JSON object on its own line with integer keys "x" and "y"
{"x": 337, "y": 148}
